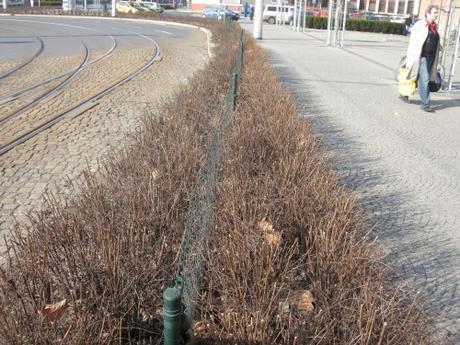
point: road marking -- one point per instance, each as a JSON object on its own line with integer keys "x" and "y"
{"x": 163, "y": 31}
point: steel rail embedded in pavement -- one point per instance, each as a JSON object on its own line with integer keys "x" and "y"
{"x": 156, "y": 57}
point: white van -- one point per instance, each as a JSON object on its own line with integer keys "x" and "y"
{"x": 285, "y": 13}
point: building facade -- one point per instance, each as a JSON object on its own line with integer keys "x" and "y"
{"x": 401, "y": 7}
{"x": 230, "y": 4}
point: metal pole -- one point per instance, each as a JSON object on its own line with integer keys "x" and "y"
{"x": 447, "y": 32}
{"x": 299, "y": 16}
{"x": 329, "y": 21}
{"x": 454, "y": 57}
{"x": 278, "y": 9}
{"x": 4, "y": 5}
{"x": 114, "y": 3}
{"x": 84, "y": 5}
{"x": 31, "y": 3}
{"x": 284, "y": 16}
{"x": 258, "y": 14}
{"x": 294, "y": 20}
{"x": 345, "y": 8}
{"x": 336, "y": 22}
{"x": 304, "y": 15}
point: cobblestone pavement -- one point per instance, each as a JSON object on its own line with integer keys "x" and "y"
{"x": 48, "y": 161}
{"x": 33, "y": 72}
{"x": 402, "y": 163}
{"x": 87, "y": 83}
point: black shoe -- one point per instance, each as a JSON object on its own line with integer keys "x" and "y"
{"x": 428, "y": 109}
{"x": 405, "y": 99}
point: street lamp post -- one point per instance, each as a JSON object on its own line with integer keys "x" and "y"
{"x": 258, "y": 14}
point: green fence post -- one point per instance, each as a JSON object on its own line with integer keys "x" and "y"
{"x": 172, "y": 316}
{"x": 235, "y": 89}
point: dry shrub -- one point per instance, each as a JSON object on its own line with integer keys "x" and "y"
{"x": 91, "y": 269}
{"x": 289, "y": 262}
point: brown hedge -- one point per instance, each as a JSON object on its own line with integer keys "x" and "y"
{"x": 286, "y": 231}
{"x": 283, "y": 225}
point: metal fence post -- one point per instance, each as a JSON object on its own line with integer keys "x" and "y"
{"x": 235, "y": 89}
{"x": 172, "y": 316}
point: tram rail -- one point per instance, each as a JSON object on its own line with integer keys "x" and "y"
{"x": 82, "y": 105}
{"x": 26, "y": 62}
{"x": 51, "y": 92}
{"x": 13, "y": 95}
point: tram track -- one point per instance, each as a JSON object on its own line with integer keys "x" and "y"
{"x": 11, "y": 96}
{"x": 84, "y": 104}
{"x": 26, "y": 62}
{"x": 50, "y": 93}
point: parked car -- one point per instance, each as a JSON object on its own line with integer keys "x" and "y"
{"x": 270, "y": 13}
{"x": 375, "y": 16}
{"x": 126, "y": 7}
{"x": 219, "y": 13}
{"x": 152, "y": 6}
{"x": 139, "y": 7}
{"x": 168, "y": 4}
{"x": 315, "y": 12}
{"x": 232, "y": 14}
{"x": 398, "y": 19}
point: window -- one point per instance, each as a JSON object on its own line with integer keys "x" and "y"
{"x": 410, "y": 6}
{"x": 372, "y": 4}
{"x": 391, "y": 6}
{"x": 401, "y": 5}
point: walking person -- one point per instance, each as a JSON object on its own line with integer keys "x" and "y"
{"x": 251, "y": 13}
{"x": 409, "y": 23}
{"x": 422, "y": 55}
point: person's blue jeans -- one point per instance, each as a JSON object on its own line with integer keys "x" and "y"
{"x": 423, "y": 79}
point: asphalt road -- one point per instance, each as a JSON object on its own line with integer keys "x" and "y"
{"x": 63, "y": 36}
{"x": 403, "y": 164}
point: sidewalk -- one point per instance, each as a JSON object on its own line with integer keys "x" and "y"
{"x": 402, "y": 163}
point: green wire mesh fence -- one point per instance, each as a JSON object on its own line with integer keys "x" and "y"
{"x": 178, "y": 316}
